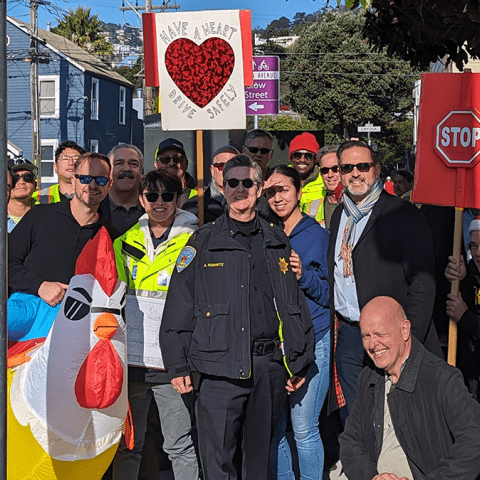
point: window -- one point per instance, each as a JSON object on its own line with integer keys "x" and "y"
{"x": 49, "y": 93}
{"x": 95, "y": 98}
{"x": 48, "y": 161}
{"x": 121, "y": 106}
{"x": 94, "y": 146}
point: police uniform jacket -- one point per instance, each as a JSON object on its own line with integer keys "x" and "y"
{"x": 206, "y": 324}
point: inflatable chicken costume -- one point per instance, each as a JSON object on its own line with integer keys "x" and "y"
{"x": 68, "y": 395}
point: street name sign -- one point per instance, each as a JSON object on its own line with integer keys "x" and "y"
{"x": 263, "y": 97}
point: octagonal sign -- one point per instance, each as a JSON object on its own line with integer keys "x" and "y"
{"x": 457, "y": 139}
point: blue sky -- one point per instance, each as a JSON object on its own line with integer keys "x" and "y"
{"x": 263, "y": 11}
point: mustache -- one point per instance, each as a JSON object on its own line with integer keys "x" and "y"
{"x": 126, "y": 175}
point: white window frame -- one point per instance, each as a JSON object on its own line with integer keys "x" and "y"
{"x": 50, "y": 142}
{"x": 56, "y": 80}
{"x": 122, "y": 105}
{"x": 94, "y": 146}
{"x": 95, "y": 99}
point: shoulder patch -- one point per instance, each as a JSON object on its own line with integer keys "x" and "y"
{"x": 185, "y": 258}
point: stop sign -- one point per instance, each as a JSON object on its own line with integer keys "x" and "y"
{"x": 457, "y": 139}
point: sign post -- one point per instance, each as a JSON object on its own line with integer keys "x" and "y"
{"x": 369, "y": 127}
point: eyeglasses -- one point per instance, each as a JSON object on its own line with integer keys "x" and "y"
{"x": 325, "y": 170}
{"x": 235, "y": 182}
{"x": 66, "y": 158}
{"x": 28, "y": 177}
{"x": 152, "y": 197}
{"x": 219, "y": 166}
{"x": 101, "y": 181}
{"x": 175, "y": 158}
{"x": 473, "y": 247}
{"x": 347, "y": 168}
{"x": 255, "y": 150}
{"x": 308, "y": 156}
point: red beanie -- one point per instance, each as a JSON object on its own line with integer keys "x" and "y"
{"x": 305, "y": 141}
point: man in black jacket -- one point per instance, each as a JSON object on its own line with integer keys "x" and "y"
{"x": 235, "y": 314}
{"x": 413, "y": 418}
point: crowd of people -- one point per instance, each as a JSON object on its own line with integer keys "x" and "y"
{"x": 309, "y": 286}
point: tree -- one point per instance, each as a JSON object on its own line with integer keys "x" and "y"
{"x": 335, "y": 78}
{"x": 131, "y": 73}
{"x": 85, "y": 30}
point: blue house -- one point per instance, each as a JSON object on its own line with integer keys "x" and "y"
{"x": 81, "y": 98}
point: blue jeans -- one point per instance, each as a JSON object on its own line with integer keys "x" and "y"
{"x": 176, "y": 428}
{"x": 305, "y": 407}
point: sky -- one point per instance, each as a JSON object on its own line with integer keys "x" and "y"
{"x": 263, "y": 11}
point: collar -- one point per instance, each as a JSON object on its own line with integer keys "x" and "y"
{"x": 216, "y": 194}
{"x": 113, "y": 206}
{"x": 234, "y": 230}
{"x": 313, "y": 176}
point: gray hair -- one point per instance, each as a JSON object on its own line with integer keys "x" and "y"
{"x": 326, "y": 150}
{"x": 125, "y": 145}
{"x": 257, "y": 132}
{"x": 242, "y": 160}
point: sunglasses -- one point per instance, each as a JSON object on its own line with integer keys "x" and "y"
{"x": 325, "y": 170}
{"x": 101, "y": 181}
{"x": 175, "y": 158}
{"x": 347, "y": 168}
{"x": 28, "y": 177}
{"x": 219, "y": 166}
{"x": 308, "y": 156}
{"x": 152, "y": 197}
{"x": 235, "y": 182}
{"x": 255, "y": 150}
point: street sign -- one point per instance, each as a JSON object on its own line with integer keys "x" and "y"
{"x": 457, "y": 138}
{"x": 263, "y": 97}
{"x": 369, "y": 127}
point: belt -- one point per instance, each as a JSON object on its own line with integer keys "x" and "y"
{"x": 347, "y": 321}
{"x": 264, "y": 347}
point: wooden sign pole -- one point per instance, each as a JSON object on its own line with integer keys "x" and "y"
{"x": 200, "y": 179}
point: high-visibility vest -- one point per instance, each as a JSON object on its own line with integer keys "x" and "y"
{"x": 48, "y": 195}
{"x": 311, "y": 202}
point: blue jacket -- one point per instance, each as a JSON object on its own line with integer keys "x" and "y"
{"x": 310, "y": 241}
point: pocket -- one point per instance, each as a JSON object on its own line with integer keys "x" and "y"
{"x": 294, "y": 331}
{"x": 212, "y": 327}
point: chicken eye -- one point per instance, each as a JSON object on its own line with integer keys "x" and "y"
{"x": 76, "y": 309}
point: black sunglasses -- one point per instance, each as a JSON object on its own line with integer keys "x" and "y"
{"x": 325, "y": 170}
{"x": 28, "y": 177}
{"x": 254, "y": 150}
{"x": 235, "y": 182}
{"x": 152, "y": 197}
{"x": 308, "y": 155}
{"x": 347, "y": 168}
{"x": 175, "y": 158}
{"x": 101, "y": 181}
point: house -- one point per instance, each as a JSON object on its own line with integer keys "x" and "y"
{"x": 81, "y": 99}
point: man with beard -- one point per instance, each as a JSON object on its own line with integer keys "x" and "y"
{"x": 303, "y": 155}
{"x": 121, "y": 205}
{"x": 379, "y": 245}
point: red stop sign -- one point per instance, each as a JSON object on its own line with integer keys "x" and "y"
{"x": 457, "y": 139}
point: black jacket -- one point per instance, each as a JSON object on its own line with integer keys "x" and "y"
{"x": 212, "y": 208}
{"x": 206, "y": 325}
{"x": 436, "y": 421}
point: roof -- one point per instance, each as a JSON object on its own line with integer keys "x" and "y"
{"x": 73, "y": 53}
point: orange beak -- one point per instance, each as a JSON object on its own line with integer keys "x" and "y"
{"x": 105, "y": 326}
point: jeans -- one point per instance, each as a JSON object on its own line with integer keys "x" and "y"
{"x": 176, "y": 428}
{"x": 305, "y": 407}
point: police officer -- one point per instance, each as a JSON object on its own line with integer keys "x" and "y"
{"x": 233, "y": 307}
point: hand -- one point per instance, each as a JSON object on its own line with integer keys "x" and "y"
{"x": 455, "y": 271}
{"x": 52, "y": 292}
{"x": 182, "y": 384}
{"x": 456, "y": 307}
{"x": 296, "y": 265}
{"x": 294, "y": 383}
{"x": 388, "y": 476}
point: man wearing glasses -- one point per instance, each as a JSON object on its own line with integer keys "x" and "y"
{"x": 258, "y": 145}
{"x": 233, "y": 307}
{"x": 21, "y": 201}
{"x": 327, "y": 159}
{"x": 379, "y": 245}
{"x": 170, "y": 155}
{"x": 66, "y": 155}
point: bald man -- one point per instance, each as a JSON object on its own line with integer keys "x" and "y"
{"x": 413, "y": 417}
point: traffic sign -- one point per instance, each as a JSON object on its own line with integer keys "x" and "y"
{"x": 458, "y": 138}
{"x": 263, "y": 97}
{"x": 369, "y": 127}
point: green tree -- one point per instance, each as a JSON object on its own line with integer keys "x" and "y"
{"x": 131, "y": 73}
{"x": 335, "y": 78}
{"x": 85, "y": 30}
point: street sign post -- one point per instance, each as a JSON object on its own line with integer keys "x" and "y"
{"x": 263, "y": 97}
{"x": 369, "y": 127}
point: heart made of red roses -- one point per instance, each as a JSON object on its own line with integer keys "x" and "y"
{"x": 200, "y": 71}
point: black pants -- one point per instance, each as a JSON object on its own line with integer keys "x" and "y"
{"x": 229, "y": 409}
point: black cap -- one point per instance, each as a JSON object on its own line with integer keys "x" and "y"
{"x": 20, "y": 163}
{"x": 169, "y": 143}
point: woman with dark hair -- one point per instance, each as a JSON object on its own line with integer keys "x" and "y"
{"x": 146, "y": 256}
{"x": 309, "y": 262}
{"x": 402, "y": 184}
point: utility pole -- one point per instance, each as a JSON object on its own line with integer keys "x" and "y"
{"x": 34, "y": 94}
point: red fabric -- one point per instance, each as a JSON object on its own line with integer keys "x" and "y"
{"x": 200, "y": 71}
{"x": 17, "y": 351}
{"x": 98, "y": 259}
{"x": 246, "y": 28}
{"x": 150, "y": 50}
{"x": 100, "y": 379}
{"x": 129, "y": 429}
{"x": 389, "y": 187}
